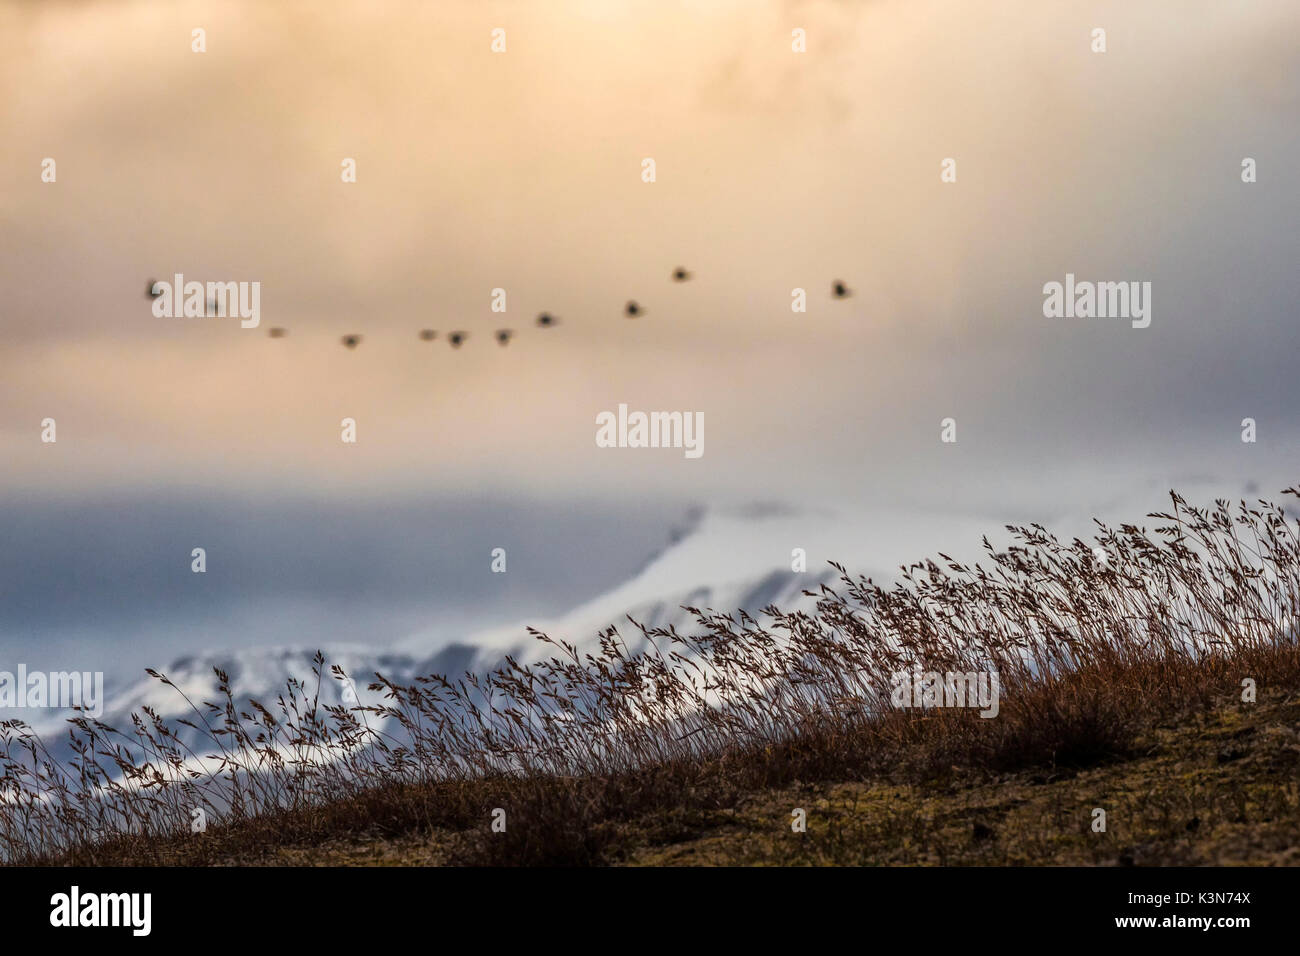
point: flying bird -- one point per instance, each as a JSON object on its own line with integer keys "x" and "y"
{"x": 546, "y": 320}
{"x": 680, "y": 274}
{"x": 428, "y": 335}
{"x": 276, "y": 333}
{"x": 840, "y": 290}
{"x": 632, "y": 309}
{"x": 456, "y": 338}
{"x": 351, "y": 341}
{"x": 503, "y": 336}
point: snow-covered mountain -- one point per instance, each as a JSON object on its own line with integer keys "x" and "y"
{"x": 725, "y": 560}
{"x": 721, "y": 560}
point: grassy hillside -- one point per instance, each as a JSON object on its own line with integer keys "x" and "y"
{"x": 1152, "y": 676}
{"x": 1217, "y": 787}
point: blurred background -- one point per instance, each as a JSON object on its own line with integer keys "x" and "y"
{"x": 522, "y": 170}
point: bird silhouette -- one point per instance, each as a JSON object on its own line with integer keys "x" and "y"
{"x": 456, "y": 338}
{"x": 680, "y": 274}
{"x": 503, "y": 336}
{"x": 632, "y": 309}
{"x": 428, "y": 335}
{"x": 351, "y": 341}
{"x": 276, "y": 333}
{"x": 546, "y": 320}
{"x": 840, "y": 290}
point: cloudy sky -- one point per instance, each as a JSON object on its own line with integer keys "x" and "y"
{"x": 521, "y": 170}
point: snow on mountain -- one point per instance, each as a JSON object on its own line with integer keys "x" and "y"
{"x": 724, "y": 560}
{"x": 728, "y": 561}
{"x": 721, "y": 560}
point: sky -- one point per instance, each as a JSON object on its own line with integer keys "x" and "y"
{"x": 522, "y": 170}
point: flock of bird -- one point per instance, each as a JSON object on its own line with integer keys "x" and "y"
{"x": 545, "y": 320}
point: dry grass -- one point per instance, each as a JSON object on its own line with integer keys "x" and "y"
{"x": 583, "y": 746}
